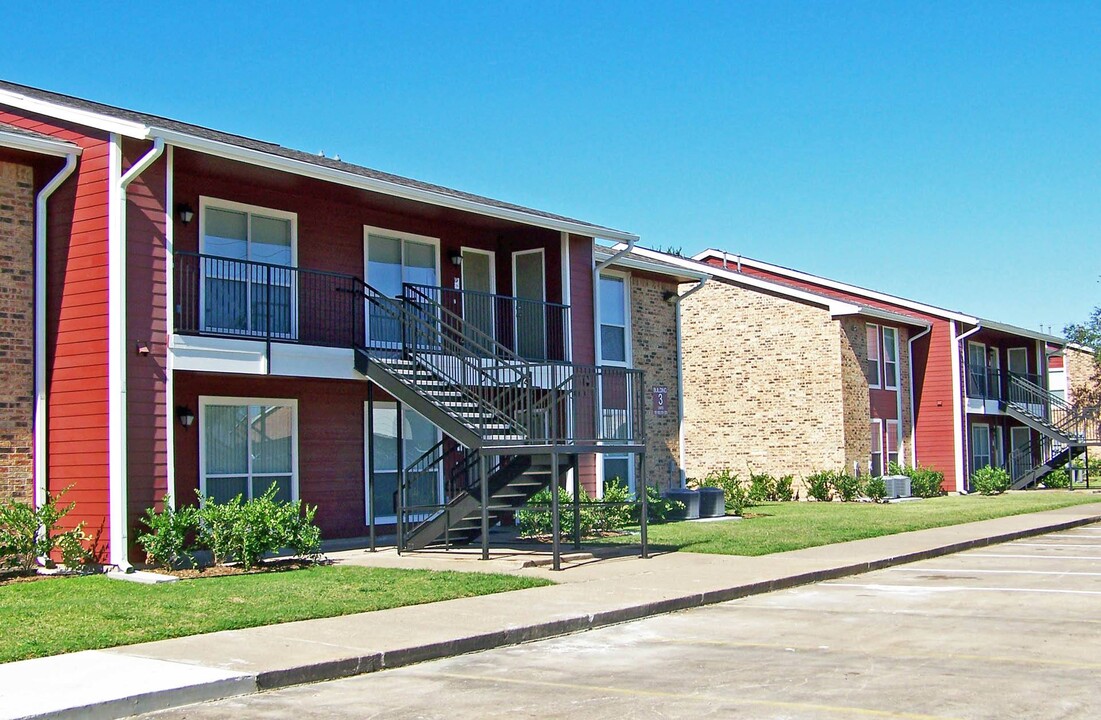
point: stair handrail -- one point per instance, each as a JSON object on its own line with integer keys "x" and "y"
{"x": 423, "y": 344}
{"x": 1078, "y": 423}
{"x": 425, "y": 462}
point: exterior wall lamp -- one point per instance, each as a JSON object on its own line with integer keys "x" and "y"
{"x": 185, "y": 416}
{"x": 186, "y": 213}
{"x": 456, "y": 258}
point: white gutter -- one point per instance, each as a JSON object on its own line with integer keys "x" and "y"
{"x": 40, "y": 389}
{"x": 680, "y": 379}
{"x": 116, "y": 354}
{"x": 957, "y": 401}
{"x": 913, "y": 415}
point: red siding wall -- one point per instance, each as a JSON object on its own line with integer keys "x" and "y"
{"x": 76, "y": 309}
{"x": 584, "y": 344}
{"x": 146, "y": 307}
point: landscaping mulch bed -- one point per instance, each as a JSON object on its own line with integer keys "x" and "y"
{"x": 268, "y": 566}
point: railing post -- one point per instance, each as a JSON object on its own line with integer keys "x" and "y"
{"x": 556, "y": 517}
{"x": 483, "y": 468}
{"x": 399, "y": 516}
{"x": 371, "y": 461}
{"x": 644, "y": 513}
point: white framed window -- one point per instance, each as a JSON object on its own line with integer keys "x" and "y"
{"x": 1018, "y": 361}
{"x": 980, "y": 446}
{"x": 894, "y": 442}
{"x": 418, "y": 435}
{"x": 248, "y": 285}
{"x": 875, "y": 466}
{"x": 890, "y": 358}
{"x": 615, "y": 336}
{"x": 247, "y": 445}
{"x": 977, "y": 376}
{"x": 871, "y": 368}
{"x": 391, "y": 259}
{"x": 619, "y": 468}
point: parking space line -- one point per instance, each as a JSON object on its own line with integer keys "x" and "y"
{"x": 964, "y": 571}
{"x": 1057, "y": 545}
{"x": 957, "y": 588}
{"x": 710, "y": 699}
{"x": 1094, "y": 558}
{"x": 996, "y": 659}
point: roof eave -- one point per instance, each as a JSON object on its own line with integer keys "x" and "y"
{"x": 42, "y": 146}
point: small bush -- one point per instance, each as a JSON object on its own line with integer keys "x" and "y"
{"x": 990, "y": 480}
{"x": 247, "y": 531}
{"x": 783, "y": 488}
{"x": 658, "y": 508}
{"x": 615, "y": 511}
{"x": 27, "y": 534}
{"x": 1057, "y": 479}
{"x": 845, "y": 486}
{"x": 875, "y": 489}
{"x": 166, "y": 543}
{"x": 762, "y": 487}
{"x": 925, "y": 482}
{"x": 819, "y": 486}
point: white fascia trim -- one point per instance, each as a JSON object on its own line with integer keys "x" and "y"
{"x": 835, "y": 307}
{"x": 41, "y": 218}
{"x": 892, "y": 317}
{"x": 82, "y": 117}
{"x": 659, "y": 269}
{"x": 298, "y": 167}
{"x": 845, "y": 287}
{"x": 42, "y": 146}
{"x": 1023, "y": 332}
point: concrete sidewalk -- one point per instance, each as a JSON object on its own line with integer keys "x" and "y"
{"x": 591, "y": 593}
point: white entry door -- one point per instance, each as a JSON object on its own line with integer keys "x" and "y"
{"x": 479, "y": 285}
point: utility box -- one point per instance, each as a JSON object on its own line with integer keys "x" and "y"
{"x": 689, "y": 498}
{"x": 712, "y": 502}
{"x": 898, "y": 486}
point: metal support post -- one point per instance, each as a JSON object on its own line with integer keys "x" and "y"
{"x": 576, "y": 509}
{"x": 556, "y": 518}
{"x": 400, "y": 514}
{"x": 371, "y": 462}
{"x": 483, "y": 471}
{"x": 645, "y": 511}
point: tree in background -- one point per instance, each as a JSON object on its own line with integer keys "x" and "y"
{"x": 1088, "y": 391}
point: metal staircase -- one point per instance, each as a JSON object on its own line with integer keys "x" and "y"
{"x": 508, "y": 418}
{"x": 1065, "y": 431}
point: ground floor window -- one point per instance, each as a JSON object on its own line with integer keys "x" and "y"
{"x": 619, "y": 468}
{"x": 875, "y": 466}
{"x": 980, "y": 446}
{"x": 418, "y": 436}
{"x": 246, "y": 446}
{"x": 894, "y": 442}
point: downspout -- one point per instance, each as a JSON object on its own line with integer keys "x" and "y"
{"x": 913, "y": 415}
{"x": 676, "y": 300}
{"x": 40, "y": 390}
{"x": 117, "y": 404}
{"x": 957, "y": 406}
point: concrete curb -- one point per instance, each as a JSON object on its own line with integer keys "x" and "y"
{"x": 354, "y": 665}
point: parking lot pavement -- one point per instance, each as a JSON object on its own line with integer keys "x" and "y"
{"x": 1007, "y": 631}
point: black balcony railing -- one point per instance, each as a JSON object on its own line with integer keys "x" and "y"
{"x": 992, "y": 384}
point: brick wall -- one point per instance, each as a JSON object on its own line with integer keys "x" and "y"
{"x": 854, "y": 393}
{"x": 654, "y": 349}
{"x": 763, "y": 384}
{"x": 16, "y": 332}
{"x": 1082, "y": 376}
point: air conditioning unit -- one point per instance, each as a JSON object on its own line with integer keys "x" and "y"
{"x": 897, "y": 486}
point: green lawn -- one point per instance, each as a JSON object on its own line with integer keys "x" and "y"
{"x": 48, "y": 617}
{"x": 778, "y": 527}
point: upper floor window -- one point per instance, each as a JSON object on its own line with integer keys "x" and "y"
{"x": 613, "y": 319}
{"x": 871, "y": 368}
{"x": 248, "y": 280}
{"x": 890, "y": 358}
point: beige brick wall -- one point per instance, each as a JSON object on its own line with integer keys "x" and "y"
{"x": 763, "y": 384}
{"x": 654, "y": 351}
{"x": 854, "y": 392}
{"x": 16, "y": 332}
{"x": 1083, "y": 376}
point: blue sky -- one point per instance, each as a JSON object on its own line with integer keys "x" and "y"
{"x": 943, "y": 151}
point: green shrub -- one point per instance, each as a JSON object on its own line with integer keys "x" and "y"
{"x": 925, "y": 482}
{"x": 736, "y": 493}
{"x": 990, "y": 480}
{"x": 1057, "y": 479}
{"x": 166, "y": 543}
{"x": 614, "y": 511}
{"x": 846, "y": 487}
{"x": 783, "y": 488}
{"x": 875, "y": 489}
{"x": 762, "y": 487}
{"x": 658, "y": 508}
{"x": 819, "y": 485}
{"x": 247, "y": 531}
{"x": 27, "y": 534}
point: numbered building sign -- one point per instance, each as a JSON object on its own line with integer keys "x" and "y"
{"x": 659, "y": 395}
